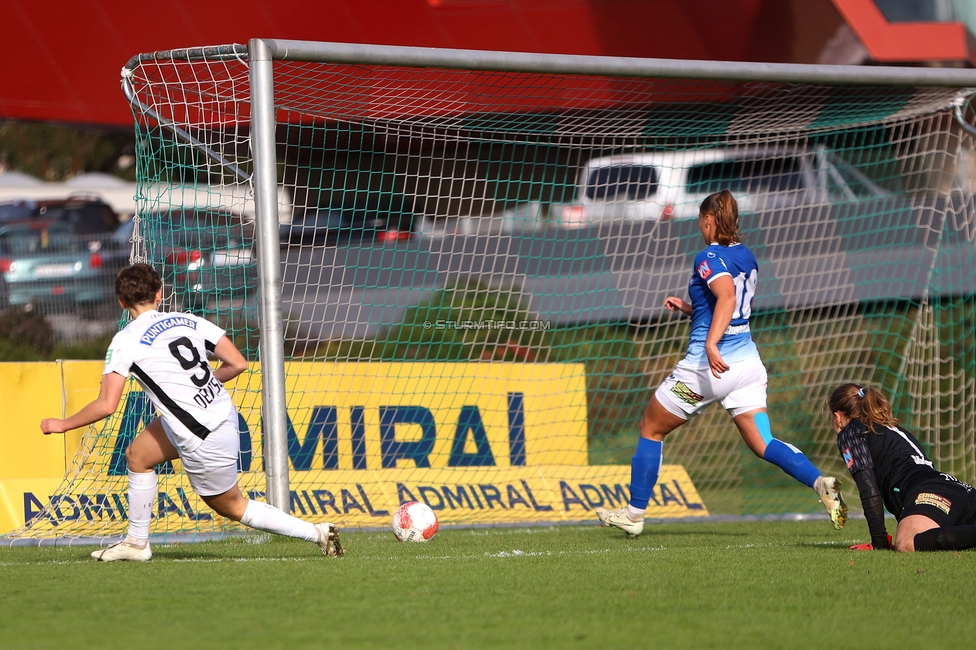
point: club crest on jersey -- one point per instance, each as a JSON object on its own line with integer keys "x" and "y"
{"x": 704, "y": 270}
{"x": 164, "y": 325}
{"x": 849, "y": 458}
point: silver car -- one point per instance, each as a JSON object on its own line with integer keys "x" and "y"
{"x": 658, "y": 186}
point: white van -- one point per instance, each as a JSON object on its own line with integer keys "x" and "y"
{"x": 671, "y": 185}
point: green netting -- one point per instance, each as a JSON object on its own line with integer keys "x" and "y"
{"x": 483, "y": 249}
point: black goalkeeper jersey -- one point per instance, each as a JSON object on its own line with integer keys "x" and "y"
{"x": 895, "y": 456}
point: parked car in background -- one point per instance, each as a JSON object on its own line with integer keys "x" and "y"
{"x": 359, "y": 219}
{"x": 16, "y": 210}
{"x": 89, "y": 218}
{"x": 85, "y": 215}
{"x": 45, "y": 264}
{"x": 671, "y": 185}
{"x": 206, "y": 257}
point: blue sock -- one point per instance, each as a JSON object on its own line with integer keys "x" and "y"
{"x": 761, "y": 420}
{"x": 644, "y": 469}
{"x": 792, "y": 461}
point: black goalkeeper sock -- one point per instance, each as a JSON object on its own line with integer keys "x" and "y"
{"x": 954, "y": 538}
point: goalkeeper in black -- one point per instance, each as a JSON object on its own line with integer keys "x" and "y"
{"x": 935, "y": 511}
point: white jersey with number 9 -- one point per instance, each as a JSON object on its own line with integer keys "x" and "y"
{"x": 167, "y": 354}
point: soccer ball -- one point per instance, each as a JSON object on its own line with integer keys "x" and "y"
{"x": 414, "y": 522}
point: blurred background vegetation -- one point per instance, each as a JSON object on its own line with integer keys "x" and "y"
{"x": 58, "y": 152}
{"x": 27, "y": 336}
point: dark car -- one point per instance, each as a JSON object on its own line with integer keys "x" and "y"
{"x": 206, "y": 257}
{"x": 85, "y": 216}
{"x": 44, "y": 264}
{"x": 16, "y": 210}
{"x": 88, "y": 217}
{"x": 364, "y": 220}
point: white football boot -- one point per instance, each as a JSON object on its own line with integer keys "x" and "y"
{"x": 329, "y": 540}
{"x": 120, "y": 551}
{"x": 828, "y": 489}
{"x": 620, "y": 519}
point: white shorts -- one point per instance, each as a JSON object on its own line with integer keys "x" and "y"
{"x": 212, "y": 467}
{"x": 690, "y": 388}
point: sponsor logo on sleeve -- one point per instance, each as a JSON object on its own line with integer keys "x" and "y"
{"x": 704, "y": 270}
{"x": 848, "y": 458}
{"x": 935, "y": 500}
{"x": 108, "y": 357}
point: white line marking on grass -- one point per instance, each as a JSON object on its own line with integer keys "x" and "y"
{"x": 396, "y": 557}
{"x": 518, "y": 553}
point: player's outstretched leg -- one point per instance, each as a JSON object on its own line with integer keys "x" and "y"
{"x": 756, "y": 431}
{"x": 265, "y": 517}
{"x": 135, "y": 547}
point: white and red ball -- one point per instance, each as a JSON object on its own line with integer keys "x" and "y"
{"x": 414, "y": 522}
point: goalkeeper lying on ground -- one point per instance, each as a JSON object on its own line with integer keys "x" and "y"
{"x": 935, "y": 511}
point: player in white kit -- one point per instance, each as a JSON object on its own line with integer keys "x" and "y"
{"x": 198, "y": 423}
{"x": 722, "y": 365}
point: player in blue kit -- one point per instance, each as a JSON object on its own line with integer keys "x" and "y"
{"x": 198, "y": 423}
{"x": 722, "y": 365}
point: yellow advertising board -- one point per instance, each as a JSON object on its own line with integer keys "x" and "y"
{"x": 368, "y": 498}
{"x": 503, "y": 495}
{"x": 30, "y": 392}
{"x": 382, "y": 415}
{"x": 478, "y": 442}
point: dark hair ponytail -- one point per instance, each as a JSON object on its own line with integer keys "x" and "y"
{"x": 724, "y": 208}
{"x": 866, "y": 404}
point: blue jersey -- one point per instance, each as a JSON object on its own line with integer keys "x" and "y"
{"x": 740, "y": 264}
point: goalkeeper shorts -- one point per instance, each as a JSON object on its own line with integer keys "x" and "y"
{"x": 947, "y": 501}
{"x": 691, "y": 387}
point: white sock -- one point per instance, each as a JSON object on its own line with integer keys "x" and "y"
{"x": 635, "y": 514}
{"x": 142, "y": 494}
{"x": 271, "y": 520}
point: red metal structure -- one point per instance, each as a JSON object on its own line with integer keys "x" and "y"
{"x": 64, "y": 56}
{"x": 907, "y": 42}
{"x": 68, "y": 54}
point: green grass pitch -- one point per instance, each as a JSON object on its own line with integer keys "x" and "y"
{"x": 761, "y": 584}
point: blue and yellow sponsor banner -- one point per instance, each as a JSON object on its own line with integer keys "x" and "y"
{"x": 20, "y": 499}
{"x": 367, "y": 499}
{"x": 437, "y": 415}
{"x": 503, "y": 495}
{"x": 480, "y": 443}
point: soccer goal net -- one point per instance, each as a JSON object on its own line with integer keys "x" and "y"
{"x": 475, "y": 249}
